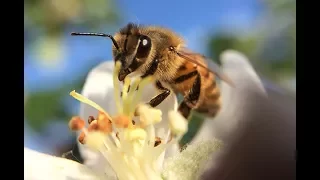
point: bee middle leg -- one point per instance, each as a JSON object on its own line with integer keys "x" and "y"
{"x": 191, "y": 99}
{"x": 160, "y": 97}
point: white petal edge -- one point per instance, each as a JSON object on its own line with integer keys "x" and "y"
{"x": 236, "y": 63}
{"x": 98, "y": 87}
{"x": 39, "y": 166}
{"x": 234, "y": 100}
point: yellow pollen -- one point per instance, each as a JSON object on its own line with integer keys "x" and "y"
{"x": 136, "y": 134}
{"x": 122, "y": 121}
{"x": 85, "y": 100}
{"x": 95, "y": 140}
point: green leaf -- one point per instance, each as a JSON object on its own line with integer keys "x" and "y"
{"x": 42, "y": 107}
{"x": 194, "y": 125}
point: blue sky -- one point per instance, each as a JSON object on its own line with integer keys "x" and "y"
{"x": 192, "y": 19}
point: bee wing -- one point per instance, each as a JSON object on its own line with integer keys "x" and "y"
{"x": 212, "y": 67}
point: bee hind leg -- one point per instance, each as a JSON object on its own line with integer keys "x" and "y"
{"x": 191, "y": 99}
{"x": 184, "y": 109}
{"x": 160, "y": 97}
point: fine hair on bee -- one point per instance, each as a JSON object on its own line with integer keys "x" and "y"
{"x": 161, "y": 53}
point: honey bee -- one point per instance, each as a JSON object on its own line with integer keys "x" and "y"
{"x": 161, "y": 53}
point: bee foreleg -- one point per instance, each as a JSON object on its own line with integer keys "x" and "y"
{"x": 191, "y": 99}
{"x": 160, "y": 97}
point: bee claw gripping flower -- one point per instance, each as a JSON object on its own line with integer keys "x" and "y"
{"x": 127, "y": 139}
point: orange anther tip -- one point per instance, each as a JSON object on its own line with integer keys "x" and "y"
{"x": 93, "y": 126}
{"x": 122, "y": 121}
{"x": 81, "y": 138}
{"x": 76, "y": 123}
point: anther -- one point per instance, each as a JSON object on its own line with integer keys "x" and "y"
{"x": 90, "y": 119}
{"x": 121, "y": 121}
{"x": 76, "y": 123}
{"x": 105, "y": 126}
{"x": 81, "y": 138}
{"x": 117, "y": 135}
{"x": 157, "y": 141}
{"x": 93, "y": 126}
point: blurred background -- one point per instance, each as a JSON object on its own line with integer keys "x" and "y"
{"x": 55, "y": 62}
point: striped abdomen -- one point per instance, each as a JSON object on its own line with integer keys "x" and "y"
{"x": 204, "y": 95}
{"x": 211, "y": 102}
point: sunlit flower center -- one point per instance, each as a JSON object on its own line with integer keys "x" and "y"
{"x": 131, "y": 147}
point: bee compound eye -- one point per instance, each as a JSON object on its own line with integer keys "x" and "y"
{"x": 144, "y": 42}
{"x": 144, "y": 47}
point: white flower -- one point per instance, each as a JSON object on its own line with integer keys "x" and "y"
{"x": 185, "y": 165}
{"x": 236, "y": 102}
{"x": 127, "y": 139}
{"x": 39, "y": 166}
{"x": 99, "y": 88}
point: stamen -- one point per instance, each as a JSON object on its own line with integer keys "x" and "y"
{"x": 148, "y": 115}
{"x": 138, "y": 95}
{"x": 76, "y": 123}
{"x": 93, "y": 126}
{"x": 81, "y": 137}
{"x": 95, "y": 140}
{"x": 116, "y": 86}
{"x": 157, "y": 141}
{"x": 104, "y": 123}
{"x": 126, "y": 144}
{"x": 116, "y": 139}
{"x": 125, "y": 98}
{"x": 125, "y": 88}
{"x": 130, "y": 98}
{"x": 122, "y": 121}
{"x": 85, "y": 100}
{"x": 136, "y": 134}
{"x": 177, "y": 123}
{"x": 90, "y": 119}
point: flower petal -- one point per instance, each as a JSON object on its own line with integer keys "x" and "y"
{"x": 262, "y": 135}
{"x": 162, "y": 128}
{"x": 42, "y": 166}
{"x": 234, "y": 99}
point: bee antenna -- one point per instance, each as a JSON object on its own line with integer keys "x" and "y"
{"x": 97, "y": 34}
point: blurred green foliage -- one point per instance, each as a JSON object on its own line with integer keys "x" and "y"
{"x": 52, "y": 16}
{"x": 271, "y": 45}
{"x": 46, "y": 20}
{"x": 42, "y": 107}
{"x": 195, "y": 122}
